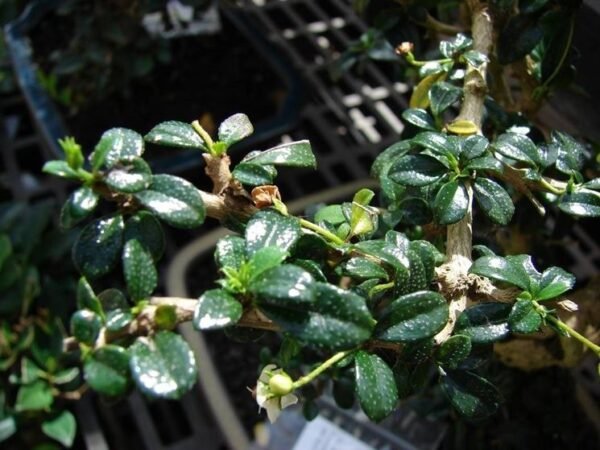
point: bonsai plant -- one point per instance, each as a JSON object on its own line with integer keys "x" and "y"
{"x": 374, "y": 298}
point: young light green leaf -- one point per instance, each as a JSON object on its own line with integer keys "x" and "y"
{"x": 216, "y": 309}
{"x": 78, "y": 206}
{"x": 484, "y": 323}
{"x": 494, "y": 200}
{"x": 451, "y": 203}
{"x": 269, "y": 228}
{"x": 107, "y": 370}
{"x": 375, "y": 386}
{"x": 34, "y": 396}
{"x": 97, "y": 249}
{"x": 175, "y": 134}
{"x": 332, "y": 214}
{"x": 235, "y": 128}
{"x": 61, "y": 428}
{"x": 292, "y": 154}
{"x": 362, "y": 219}
{"x": 60, "y": 169}
{"x": 555, "y": 281}
{"x": 138, "y": 268}
{"x": 265, "y": 259}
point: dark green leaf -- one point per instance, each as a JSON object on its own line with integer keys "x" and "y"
{"x": 375, "y": 386}
{"x": 518, "y": 38}
{"x": 571, "y": 154}
{"x": 473, "y": 146}
{"x": 484, "y": 323}
{"x": 138, "y": 268}
{"x": 174, "y": 200}
{"x": 453, "y": 351}
{"x": 117, "y": 145}
{"x": 130, "y": 177}
{"x": 116, "y": 308}
{"x": 269, "y": 228}
{"x": 531, "y": 6}
{"x": 97, "y": 249}
{"x": 175, "y": 134}
{"x": 86, "y": 299}
{"x": 5, "y": 248}
{"x": 254, "y": 174}
{"x": 416, "y": 170}
{"x": 413, "y": 317}
{"x": 581, "y": 203}
{"x": 429, "y": 255}
{"x": 230, "y": 252}
{"x": 485, "y": 163}
{"x": 292, "y": 154}
{"x": 393, "y": 255}
{"x": 555, "y": 281}
{"x": 235, "y": 128}
{"x": 78, "y": 206}
{"x": 287, "y": 286}
{"x": 216, "y": 309}
{"x": 384, "y": 159}
{"x": 442, "y": 95}
{"x": 501, "y": 269}
{"x": 517, "y": 146}
{"x": 436, "y": 142}
{"x": 475, "y": 58}
{"x": 163, "y": 366}
{"x": 144, "y": 228}
{"x": 343, "y": 392}
{"x": 472, "y": 396}
{"x": 494, "y": 200}
{"x": 524, "y": 318}
{"x": 107, "y": 370}
{"x": 34, "y": 397}
{"x": 60, "y": 169}
{"x": 451, "y": 203}
{"x": 419, "y": 118}
{"x": 61, "y": 428}
{"x": 363, "y": 268}
{"x": 85, "y": 326}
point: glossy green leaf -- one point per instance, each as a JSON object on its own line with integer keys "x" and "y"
{"x": 581, "y": 203}
{"x": 524, "y": 318}
{"x": 385, "y": 159}
{"x": 475, "y": 58}
{"x": 413, "y": 317}
{"x": 174, "y": 200}
{"x": 175, "y": 134}
{"x": 116, "y": 309}
{"x": 269, "y": 228}
{"x": 61, "y": 428}
{"x": 571, "y": 154}
{"x": 494, "y": 200}
{"x": 85, "y": 326}
{"x": 526, "y": 263}
{"x": 139, "y": 270}
{"x": 287, "y": 286}
{"x": 230, "y": 252}
{"x": 451, "y": 203}
{"x": 147, "y": 230}
{"x": 419, "y": 118}
{"x": 163, "y": 366}
{"x": 235, "y": 128}
{"x": 97, "y": 249}
{"x": 117, "y": 145}
{"x": 517, "y": 146}
{"x": 429, "y": 255}
{"x": 265, "y": 259}
{"x": 254, "y": 174}
{"x": 472, "y": 396}
{"x": 216, "y": 309}
{"x": 555, "y": 281}
{"x": 453, "y": 351}
{"x": 473, "y": 146}
{"x": 130, "y": 177}
{"x": 375, "y": 386}
{"x": 395, "y": 256}
{"x": 107, "y": 370}
{"x": 416, "y": 170}
{"x": 363, "y": 268}
{"x": 34, "y": 396}
{"x": 78, "y": 206}
{"x": 501, "y": 269}
{"x": 456, "y": 45}
{"x": 292, "y": 154}
{"x": 86, "y": 298}
{"x": 442, "y": 95}
{"x": 485, "y": 163}
{"x": 484, "y": 323}
{"x": 436, "y": 142}
{"x": 60, "y": 169}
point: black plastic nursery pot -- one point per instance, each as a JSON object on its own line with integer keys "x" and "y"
{"x": 237, "y": 70}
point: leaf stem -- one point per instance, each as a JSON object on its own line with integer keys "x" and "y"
{"x": 205, "y": 136}
{"x": 322, "y": 368}
{"x": 551, "y": 188}
{"x": 322, "y": 232}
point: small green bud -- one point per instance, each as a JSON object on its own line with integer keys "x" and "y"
{"x": 281, "y": 384}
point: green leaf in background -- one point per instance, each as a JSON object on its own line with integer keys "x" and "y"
{"x": 163, "y": 366}
{"x": 8, "y": 427}
{"x": 291, "y": 154}
{"x": 61, "y": 428}
{"x": 501, "y": 269}
{"x": 363, "y": 268}
{"x": 235, "y": 128}
{"x": 175, "y": 134}
{"x": 34, "y": 397}
{"x": 230, "y": 252}
{"x": 493, "y": 200}
{"x": 107, "y": 370}
{"x": 147, "y": 230}
{"x": 473, "y": 146}
{"x": 254, "y": 174}
{"x": 484, "y": 323}
{"x": 442, "y": 95}
{"x": 269, "y": 228}
{"x": 138, "y": 268}
{"x": 517, "y": 146}
{"x": 97, "y": 249}
{"x": 174, "y": 200}
{"x": 571, "y": 154}
{"x": 453, "y": 351}
{"x": 519, "y": 37}
{"x": 419, "y": 118}
{"x": 524, "y": 318}
{"x": 413, "y": 317}
{"x": 130, "y": 177}
{"x": 416, "y": 170}
{"x": 86, "y": 298}
{"x": 451, "y": 203}
{"x": 375, "y": 386}
{"x": 117, "y": 145}
{"x": 555, "y": 281}
{"x": 581, "y": 203}
{"x": 472, "y": 396}
{"x": 85, "y": 326}
{"x": 475, "y": 58}
{"x": 60, "y": 169}
{"x": 216, "y": 309}
{"x": 5, "y": 248}
{"x": 78, "y": 206}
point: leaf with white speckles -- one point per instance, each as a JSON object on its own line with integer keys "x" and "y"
{"x": 413, "y": 317}
{"x": 138, "y": 268}
{"x": 291, "y": 154}
{"x": 484, "y": 323}
{"x": 554, "y": 282}
{"x": 523, "y": 317}
{"x": 235, "y": 128}
{"x": 375, "y": 386}
{"x": 107, "y": 370}
{"x": 130, "y": 177}
{"x": 147, "y": 230}
{"x": 451, "y": 202}
{"x": 436, "y": 142}
{"x": 175, "y": 134}
{"x": 363, "y": 268}
{"x": 78, "y": 206}
{"x": 501, "y": 269}
{"x": 472, "y": 396}
{"x": 473, "y": 146}
{"x": 285, "y": 286}
{"x": 416, "y": 170}
{"x": 581, "y": 204}
{"x": 174, "y": 200}
{"x": 163, "y": 367}
{"x": 85, "y": 326}
{"x": 230, "y": 252}
{"x": 116, "y": 145}
{"x": 517, "y": 146}
{"x": 216, "y": 309}
{"x": 97, "y": 249}
{"x": 116, "y": 309}
{"x": 494, "y": 200}
{"x": 254, "y": 174}
{"x": 453, "y": 351}
{"x": 269, "y": 228}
